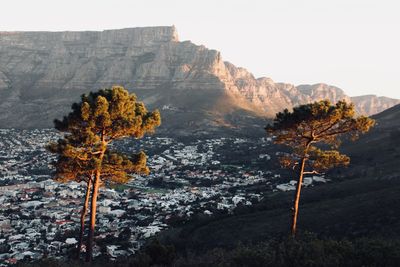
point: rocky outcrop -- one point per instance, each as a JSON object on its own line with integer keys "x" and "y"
{"x": 323, "y": 91}
{"x": 42, "y": 73}
{"x": 372, "y": 104}
{"x": 365, "y": 105}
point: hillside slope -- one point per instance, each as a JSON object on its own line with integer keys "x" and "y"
{"x": 377, "y": 154}
{"x": 361, "y": 201}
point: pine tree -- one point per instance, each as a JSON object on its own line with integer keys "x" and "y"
{"x": 94, "y": 123}
{"x": 308, "y": 130}
{"x": 73, "y": 164}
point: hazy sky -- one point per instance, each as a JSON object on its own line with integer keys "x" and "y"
{"x": 353, "y": 44}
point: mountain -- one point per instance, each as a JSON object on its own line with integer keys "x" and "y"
{"x": 389, "y": 118}
{"x": 377, "y": 153}
{"x": 366, "y": 105}
{"x": 42, "y": 73}
{"x": 323, "y": 91}
{"x": 372, "y": 104}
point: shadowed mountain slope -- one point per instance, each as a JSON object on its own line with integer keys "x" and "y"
{"x": 360, "y": 201}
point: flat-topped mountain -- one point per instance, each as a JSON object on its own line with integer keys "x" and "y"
{"x": 42, "y": 73}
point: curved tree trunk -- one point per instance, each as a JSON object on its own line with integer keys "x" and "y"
{"x": 93, "y": 208}
{"x": 297, "y": 197}
{"x": 83, "y": 216}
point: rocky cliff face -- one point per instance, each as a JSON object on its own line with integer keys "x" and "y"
{"x": 42, "y": 73}
{"x": 323, "y": 91}
{"x": 372, "y": 104}
{"x": 366, "y": 105}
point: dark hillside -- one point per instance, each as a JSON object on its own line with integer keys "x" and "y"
{"x": 361, "y": 201}
{"x": 377, "y": 154}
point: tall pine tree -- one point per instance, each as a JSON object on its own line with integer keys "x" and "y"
{"x": 94, "y": 123}
{"x": 308, "y": 130}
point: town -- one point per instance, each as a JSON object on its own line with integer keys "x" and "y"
{"x": 39, "y": 217}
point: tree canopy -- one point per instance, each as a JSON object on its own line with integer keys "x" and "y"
{"x": 318, "y": 123}
{"x": 313, "y": 132}
{"x": 84, "y": 154}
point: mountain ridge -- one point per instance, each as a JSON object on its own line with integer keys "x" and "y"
{"x": 42, "y": 73}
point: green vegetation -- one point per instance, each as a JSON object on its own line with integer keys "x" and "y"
{"x": 352, "y": 222}
{"x": 307, "y": 250}
{"x": 307, "y": 128}
{"x": 120, "y": 187}
{"x": 83, "y": 153}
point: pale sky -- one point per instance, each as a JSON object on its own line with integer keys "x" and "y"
{"x": 353, "y": 44}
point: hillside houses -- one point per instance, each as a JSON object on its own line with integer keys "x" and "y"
{"x": 39, "y": 216}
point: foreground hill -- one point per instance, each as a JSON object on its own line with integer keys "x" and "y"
{"x": 359, "y": 202}
{"x": 377, "y": 153}
{"x": 42, "y": 73}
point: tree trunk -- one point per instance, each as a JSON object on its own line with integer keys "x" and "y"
{"x": 83, "y": 216}
{"x": 93, "y": 208}
{"x": 297, "y": 197}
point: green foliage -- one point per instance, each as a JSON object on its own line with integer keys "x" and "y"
{"x": 112, "y": 111}
{"x": 321, "y": 160}
{"x": 83, "y": 153}
{"x": 307, "y": 250}
{"x": 306, "y": 130}
{"x": 97, "y": 120}
{"x": 116, "y": 167}
{"x": 310, "y": 126}
{"x": 160, "y": 254}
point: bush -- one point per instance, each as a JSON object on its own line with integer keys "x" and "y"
{"x": 307, "y": 251}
